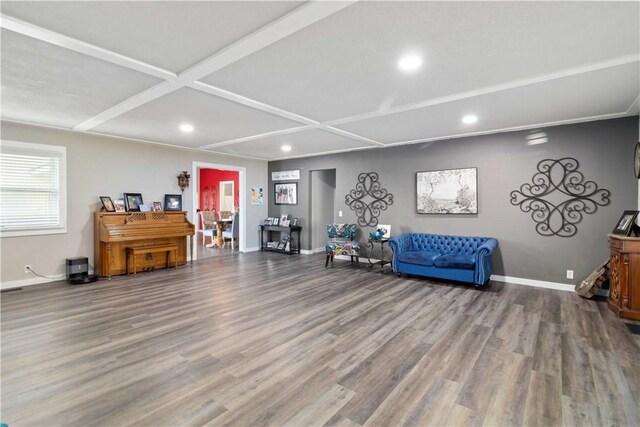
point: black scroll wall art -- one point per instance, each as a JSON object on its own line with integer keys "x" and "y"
{"x": 558, "y": 196}
{"x": 368, "y": 199}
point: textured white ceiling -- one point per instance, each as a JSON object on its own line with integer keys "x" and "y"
{"x": 171, "y": 35}
{"x": 215, "y": 119}
{"x": 277, "y": 72}
{"x": 53, "y": 86}
{"x": 302, "y": 144}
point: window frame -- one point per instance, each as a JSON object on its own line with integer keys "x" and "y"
{"x": 45, "y": 149}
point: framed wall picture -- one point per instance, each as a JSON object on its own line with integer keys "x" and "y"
{"x": 107, "y": 204}
{"x": 286, "y": 193}
{"x": 626, "y": 223}
{"x": 173, "y": 202}
{"x": 132, "y": 202}
{"x": 449, "y": 191}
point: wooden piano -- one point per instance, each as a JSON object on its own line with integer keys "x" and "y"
{"x": 117, "y": 231}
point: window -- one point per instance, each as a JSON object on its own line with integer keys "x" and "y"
{"x": 32, "y": 189}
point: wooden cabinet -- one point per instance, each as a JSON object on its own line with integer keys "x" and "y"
{"x": 624, "y": 287}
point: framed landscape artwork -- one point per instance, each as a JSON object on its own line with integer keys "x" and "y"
{"x": 449, "y": 191}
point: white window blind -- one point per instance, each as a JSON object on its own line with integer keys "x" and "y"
{"x": 32, "y": 189}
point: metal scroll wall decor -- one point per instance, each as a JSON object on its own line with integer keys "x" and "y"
{"x": 558, "y": 196}
{"x": 368, "y": 199}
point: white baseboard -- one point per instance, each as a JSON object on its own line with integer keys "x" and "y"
{"x": 27, "y": 282}
{"x": 254, "y": 249}
{"x": 306, "y": 252}
{"x": 534, "y": 283}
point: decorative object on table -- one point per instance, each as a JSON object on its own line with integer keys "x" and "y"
{"x": 268, "y": 221}
{"x": 295, "y": 222}
{"x": 157, "y": 206}
{"x": 132, "y": 202}
{"x": 460, "y": 258}
{"x": 275, "y": 221}
{"x": 107, "y": 204}
{"x": 119, "y": 205}
{"x": 386, "y": 229}
{"x": 285, "y": 175}
{"x": 183, "y": 180}
{"x": 376, "y": 235}
{"x": 626, "y": 224}
{"x": 286, "y": 193}
{"x": 173, "y": 202}
{"x": 144, "y": 208}
{"x": 636, "y": 161}
{"x": 285, "y": 223}
{"x": 257, "y": 196}
{"x": 561, "y": 180}
{"x": 368, "y": 199}
{"x": 342, "y": 242}
{"x": 448, "y": 191}
{"x": 283, "y": 217}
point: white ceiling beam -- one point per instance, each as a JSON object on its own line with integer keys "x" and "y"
{"x": 129, "y": 104}
{"x": 290, "y": 23}
{"x": 42, "y": 34}
{"x": 634, "y": 108}
{"x": 629, "y": 59}
{"x": 221, "y": 93}
{"x": 255, "y": 137}
{"x": 351, "y": 135}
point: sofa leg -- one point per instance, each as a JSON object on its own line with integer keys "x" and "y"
{"x": 399, "y": 274}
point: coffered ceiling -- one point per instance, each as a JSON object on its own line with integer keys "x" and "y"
{"x": 319, "y": 77}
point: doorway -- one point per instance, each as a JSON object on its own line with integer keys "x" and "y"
{"x": 217, "y": 188}
{"x": 322, "y": 206}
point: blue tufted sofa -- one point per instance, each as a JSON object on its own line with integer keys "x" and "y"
{"x": 467, "y": 259}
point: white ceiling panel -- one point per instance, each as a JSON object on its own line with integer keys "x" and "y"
{"x": 346, "y": 64}
{"x": 214, "y": 119}
{"x": 302, "y": 143}
{"x": 171, "y": 35}
{"x": 50, "y": 85}
{"x": 577, "y": 97}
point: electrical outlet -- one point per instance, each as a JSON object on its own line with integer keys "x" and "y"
{"x": 340, "y": 213}
{"x": 569, "y": 274}
{"x": 27, "y": 268}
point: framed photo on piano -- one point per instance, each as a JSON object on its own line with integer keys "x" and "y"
{"x": 132, "y": 202}
{"x": 173, "y": 202}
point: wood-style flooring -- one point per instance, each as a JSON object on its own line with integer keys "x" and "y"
{"x": 267, "y": 339}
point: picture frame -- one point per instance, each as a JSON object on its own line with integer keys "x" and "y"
{"x": 145, "y": 208}
{"x": 268, "y": 221}
{"x": 275, "y": 221}
{"x": 107, "y": 204}
{"x": 157, "y": 207}
{"x": 283, "y": 217}
{"x": 173, "y": 202}
{"x": 132, "y": 202}
{"x": 285, "y": 223}
{"x": 295, "y": 222}
{"x": 386, "y": 229}
{"x": 626, "y": 224}
{"x": 447, "y": 191}
{"x": 119, "y": 205}
{"x": 285, "y": 193}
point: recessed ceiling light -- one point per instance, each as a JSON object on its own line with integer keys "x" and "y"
{"x": 470, "y": 119}
{"x": 409, "y": 63}
{"x": 186, "y": 128}
{"x": 286, "y": 148}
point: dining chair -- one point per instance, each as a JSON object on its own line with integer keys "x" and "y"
{"x": 233, "y": 233}
{"x": 208, "y": 219}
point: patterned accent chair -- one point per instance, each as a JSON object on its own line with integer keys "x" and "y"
{"x": 341, "y": 242}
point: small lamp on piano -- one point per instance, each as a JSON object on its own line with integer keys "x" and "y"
{"x": 183, "y": 180}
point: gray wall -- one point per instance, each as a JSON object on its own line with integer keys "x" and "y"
{"x": 323, "y": 190}
{"x": 102, "y": 166}
{"x": 504, "y": 161}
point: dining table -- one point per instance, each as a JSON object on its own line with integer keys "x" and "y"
{"x": 219, "y": 224}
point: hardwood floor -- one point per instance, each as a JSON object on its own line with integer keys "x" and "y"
{"x": 266, "y": 339}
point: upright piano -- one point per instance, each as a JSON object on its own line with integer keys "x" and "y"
{"x": 116, "y": 231}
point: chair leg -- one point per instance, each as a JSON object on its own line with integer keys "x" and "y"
{"x": 326, "y": 263}
{"x": 357, "y": 261}
{"x": 351, "y": 259}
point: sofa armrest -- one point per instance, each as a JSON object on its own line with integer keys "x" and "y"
{"x": 484, "y": 264}
{"x": 399, "y": 244}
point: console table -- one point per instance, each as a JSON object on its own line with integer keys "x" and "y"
{"x": 270, "y": 229}
{"x": 383, "y": 261}
{"x": 624, "y": 282}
